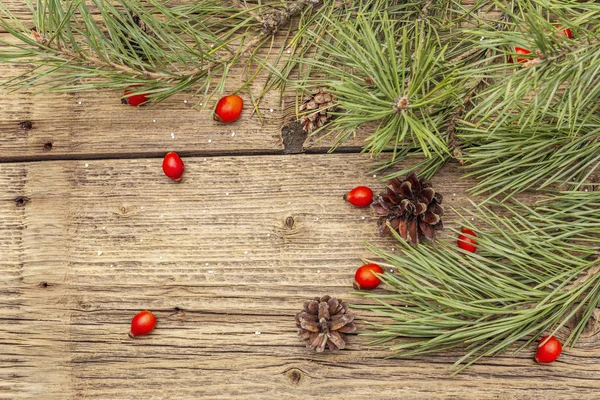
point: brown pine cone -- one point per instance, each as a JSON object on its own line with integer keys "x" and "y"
{"x": 411, "y": 207}
{"x": 323, "y": 103}
{"x": 324, "y": 323}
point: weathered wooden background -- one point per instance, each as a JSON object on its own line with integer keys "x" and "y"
{"x": 91, "y": 232}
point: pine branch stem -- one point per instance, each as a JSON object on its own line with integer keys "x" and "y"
{"x": 589, "y": 274}
{"x": 273, "y": 21}
{"x": 425, "y": 10}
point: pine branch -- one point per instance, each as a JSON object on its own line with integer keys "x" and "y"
{"x": 529, "y": 277}
{"x": 169, "y": 54}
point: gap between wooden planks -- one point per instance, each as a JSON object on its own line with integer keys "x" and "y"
{"x": 90, "y": 243}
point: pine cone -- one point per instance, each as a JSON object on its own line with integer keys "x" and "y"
{"x": 323, "y": 103}
{"x": 324, "y": 322}
{"x": 411, "y": 207}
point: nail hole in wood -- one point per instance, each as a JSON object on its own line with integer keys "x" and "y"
{"x": 43, "y": 285}
{"x": 294, "y": 375}
{"x": 26, "y": 125}
{"x": 21, "y": 201}
{"x": 289, "y": 222}
{"x": 48, "y": 146}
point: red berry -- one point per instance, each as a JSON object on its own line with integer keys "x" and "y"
{"x": 520, "y": 50}
{"x": 365, "y": 279}
{"x": 549, "y": 351}
{"x": 565, "y": 32}
{"x": 173, "y": 166}
{"x": 360, "y": 196}
{"x": 135, "y": 100}
{"x": 229, "y": 108}
{"x": 466, "y": 243}
{"x": 142, "y": 324}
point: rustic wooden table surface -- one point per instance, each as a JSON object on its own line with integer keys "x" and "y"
{"x": 91, "y": 232}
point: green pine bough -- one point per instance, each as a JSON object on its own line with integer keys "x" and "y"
{"x": 431, "y": 81}
{"x": 535, "y": 270}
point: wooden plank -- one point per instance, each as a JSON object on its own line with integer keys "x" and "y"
{"x": 90, "y": 243}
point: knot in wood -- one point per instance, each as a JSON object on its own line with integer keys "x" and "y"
{"x": 48, "y": 146}
{"x": 400, "y": 104}
{"x": 21, "y": 201}
{"x": 289, "y": 222}
{"x": 26, "y": 125}
{"x": 294, "y": 375}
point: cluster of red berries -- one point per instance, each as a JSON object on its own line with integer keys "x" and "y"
{"x": 524, "y": 52}
{"x": 228, "y": 109}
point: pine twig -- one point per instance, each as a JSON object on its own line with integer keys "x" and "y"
{"x": 275, "y": 20}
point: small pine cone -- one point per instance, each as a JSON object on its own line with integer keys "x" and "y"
{"x": 411, "y": 207}
{"x": 324, "y": 322}
{"x": 323, "y": 104}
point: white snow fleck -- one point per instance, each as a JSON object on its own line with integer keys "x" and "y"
{"x": 141, "y": 240}
{"x": 289, "y": 51}
{"x": 364, "y": 217}
{"x": 203, "y": 211}
{"x": 103, "y": 228}
{"x": 209, "y": 140}
{"x": 289, "y": 202}
{"x": 271, "y": 110}
{"x": 232, "y": 133}
{"x": 585, "y": 190}
{"x": 245, "y": 252}
{"x": 206, "y": 264}
{"x": 374, "y": 176}
{"x": 160, "y": 258}
{"x": 453, "y": 194}
{"x": 99, "y": 253}
{"x": 162, "y": 216}
{"x": 268, "y": 234}
{"x": 391, "y": 270}
{"x": 111, "y": 265}
{"x": 142, "y": 207}
{"x": 482, "y": 38}
{"x": 472, "y": 219}
{"x": 226, "y": 193}
{"x": 86, "y": 165}
{"x": 185, "y": 102}
{"x": 211, "y": 271}
{"x": 318, "y": 271}
{"x": 257, "y": 333}
{"x": 154, "y": 120}
{"x": 79, "y": 102}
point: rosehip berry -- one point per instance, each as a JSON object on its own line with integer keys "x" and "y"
{"x": 365, "y": 279}
{"x": 520, "y": 50}
{"x": 549, "y": 351}
{"x": 565, "y": 32}
{"x": 467, "y": 243}
{"x": 229, "y": 108}
{"x": 142, "y": 324}
{"x": 173, "y": 166}
{"x": 135, "y": 100}
{"x": 360, "y": 196}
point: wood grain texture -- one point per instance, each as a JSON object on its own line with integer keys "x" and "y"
{"x": 90, "y": 243}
